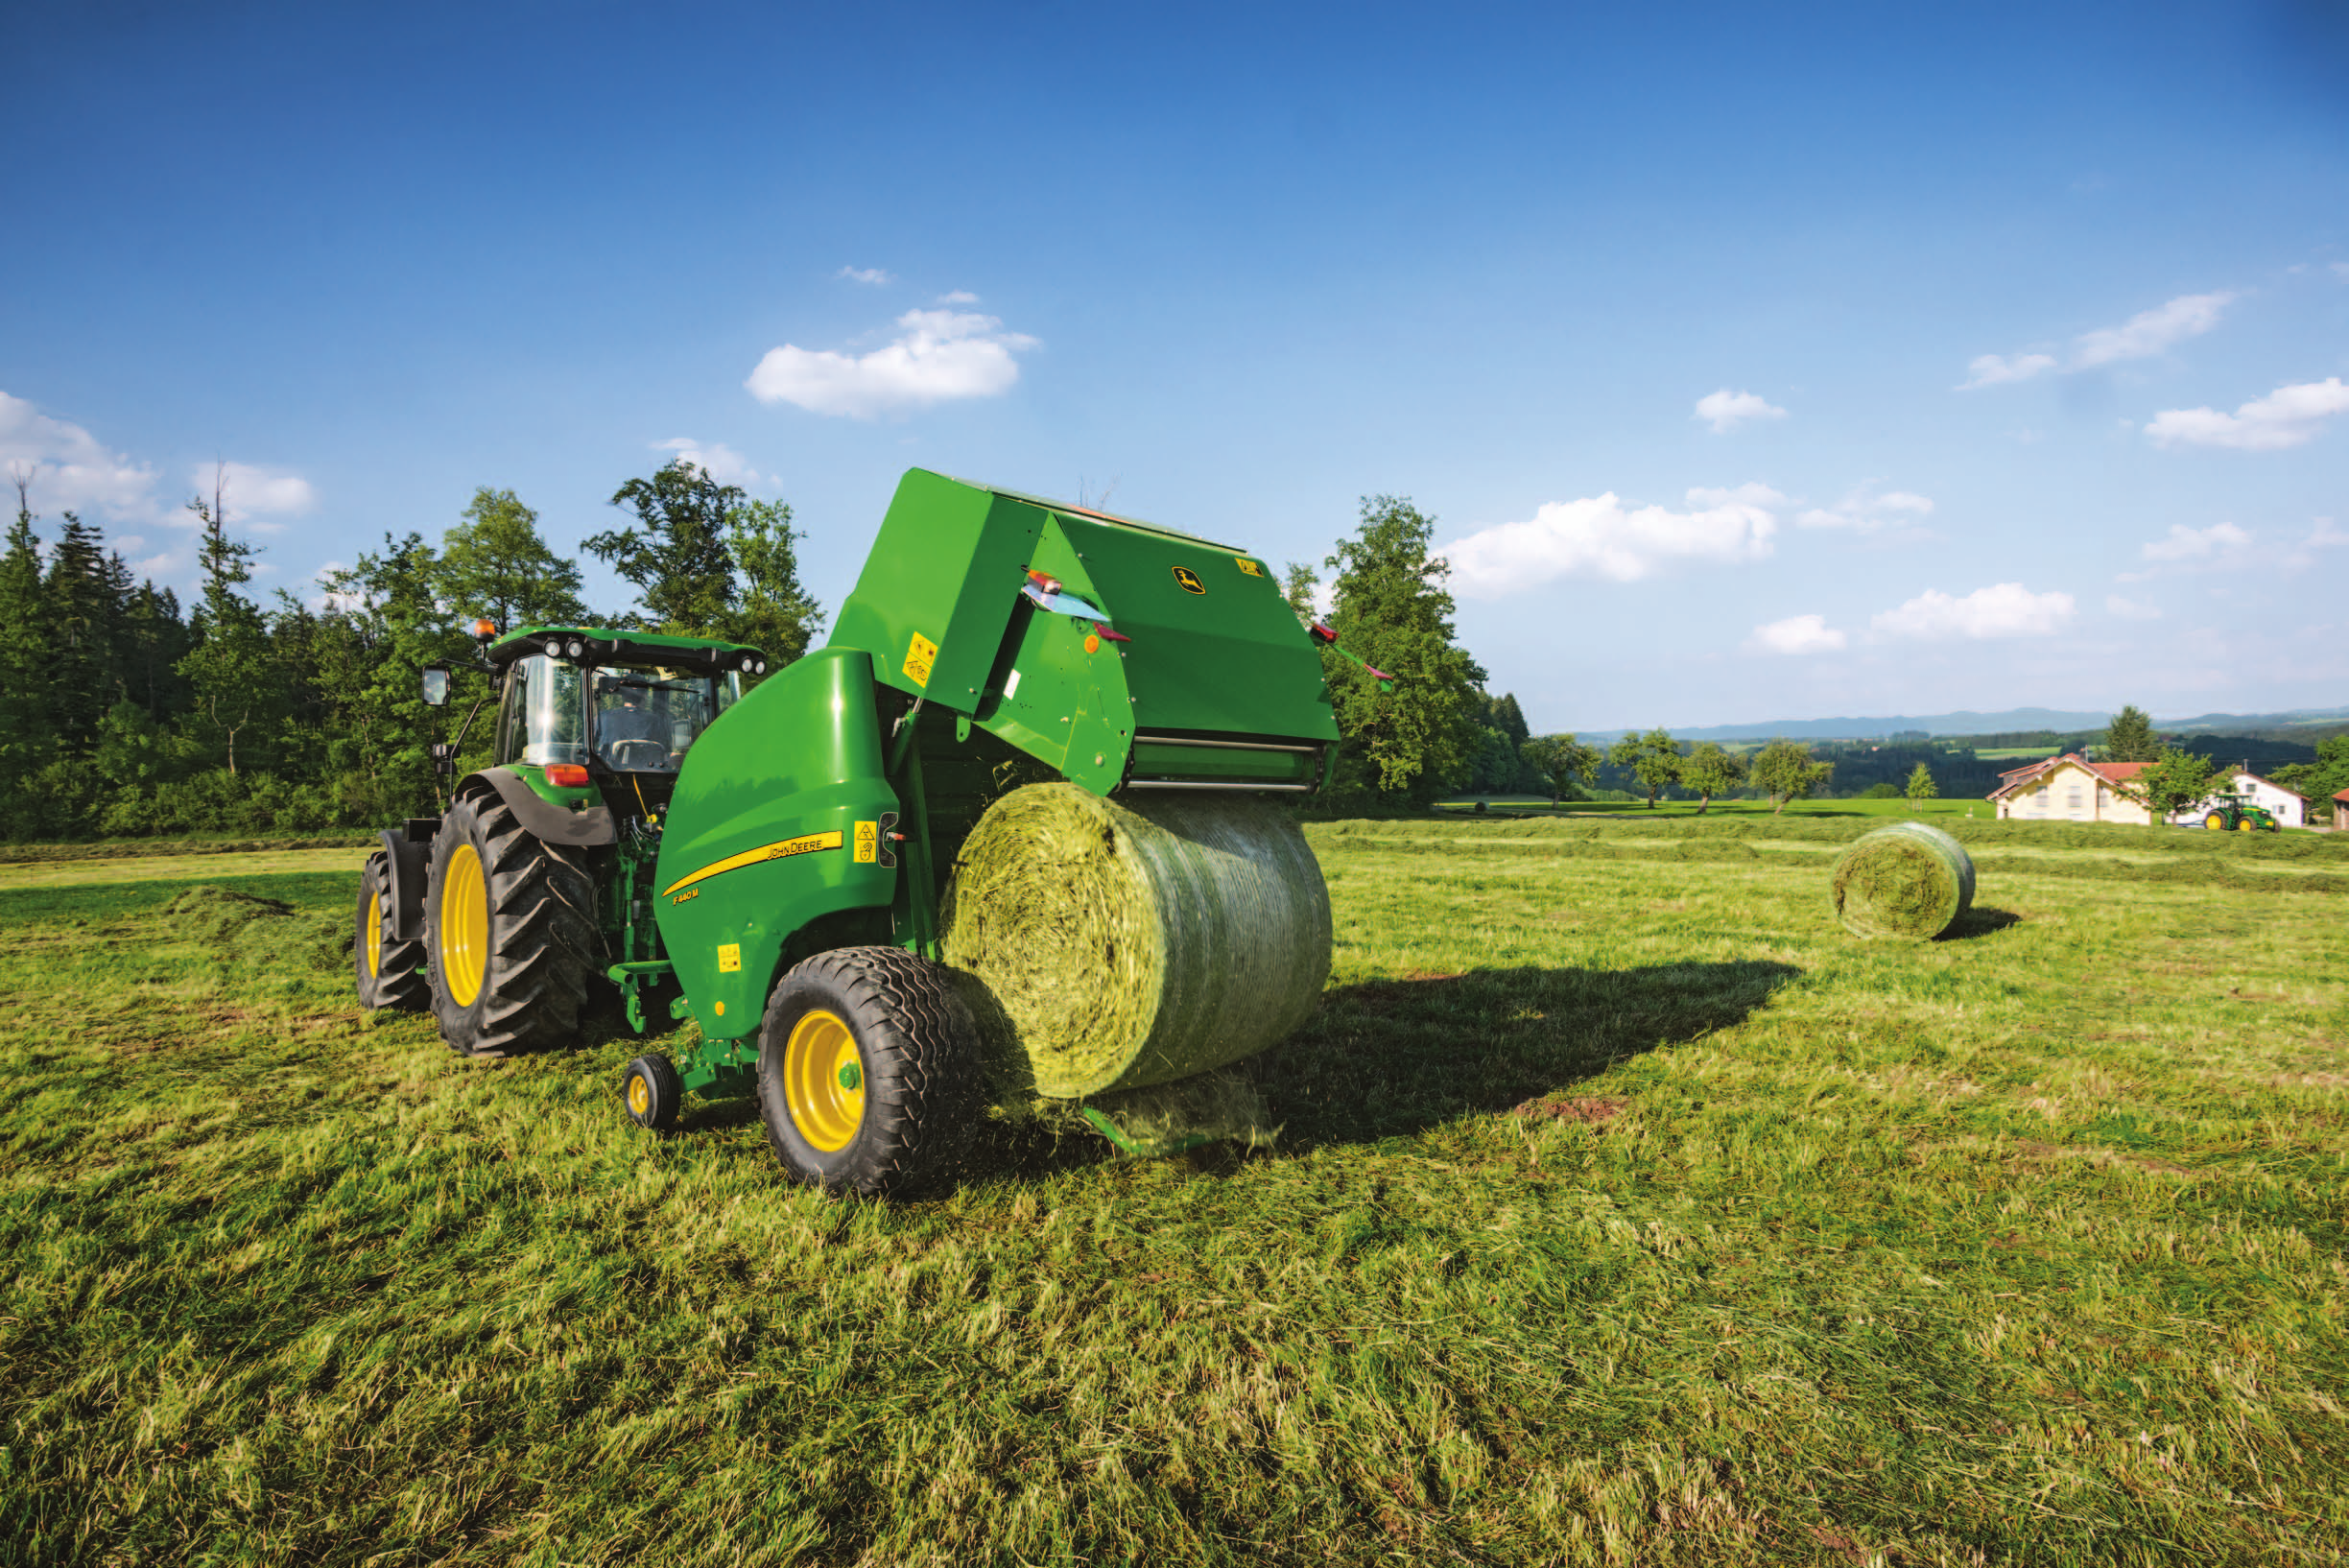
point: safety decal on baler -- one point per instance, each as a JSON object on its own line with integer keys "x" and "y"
{"x": 920, "y": 654}
{"x": 783, "y": 849}
{"x": 1249, "y": 566}
{"x": 868, "y": 842}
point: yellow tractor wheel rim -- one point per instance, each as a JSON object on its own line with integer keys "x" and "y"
{"x": 2245, "y": 825}
{"x": 823, "y": 1080}
{"x": 371, "y": 940}
{"x": 2215, "y": 824}
{"x": 639, "y": 1096}
{"x": 464, "y": 925}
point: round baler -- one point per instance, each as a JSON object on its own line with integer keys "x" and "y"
{"x": 1004, "y": 839}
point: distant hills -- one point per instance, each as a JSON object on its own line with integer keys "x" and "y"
{"x": 1968, "y": 722}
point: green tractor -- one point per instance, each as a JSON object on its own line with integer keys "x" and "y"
{"x": 771, "y": 863}
{"x": 2236, "y": 814}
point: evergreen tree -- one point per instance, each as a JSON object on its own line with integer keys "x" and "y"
{"x": 26, "y": 733}
{"x": 2130, "y": 737}
{"x": 1921, "y": 785}
{"x": 495, "y": 563}
{"x": 1395, "y": 613}
{"x": 231, "y": 672}
{"x": 383, "y": 624}
{"x": 77, "y": 636}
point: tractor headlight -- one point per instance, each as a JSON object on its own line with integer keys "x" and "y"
{"x": 759, "y": 668}
{"x": 575, "y": 647}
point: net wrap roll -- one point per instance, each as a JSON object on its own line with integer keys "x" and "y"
{"x": 1907, "y": 880}
{"x": 1120, "y": 944}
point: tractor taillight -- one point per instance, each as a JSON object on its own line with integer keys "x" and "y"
{"x": 566, "y": 776}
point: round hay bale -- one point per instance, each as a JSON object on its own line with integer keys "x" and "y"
{"x": 1125, "y": 944}
{"x": 1907, "y": 880}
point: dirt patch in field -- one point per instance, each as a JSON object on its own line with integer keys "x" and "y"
{"x": 1590, "y": 1110}
{"x": 2033, "y": 1148}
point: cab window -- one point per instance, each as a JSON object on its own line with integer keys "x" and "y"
{"x": 647, "y": 716}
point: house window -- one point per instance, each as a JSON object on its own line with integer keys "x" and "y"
{"x": 2075, "y": 798}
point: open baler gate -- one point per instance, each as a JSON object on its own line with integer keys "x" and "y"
{"x": 1119, "y": 654}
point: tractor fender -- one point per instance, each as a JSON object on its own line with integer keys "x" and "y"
{"x": 547, "y": 822}
{"x": 405, "y": 851}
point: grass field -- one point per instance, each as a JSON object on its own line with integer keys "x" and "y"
{"x": 1625, "y": 1211}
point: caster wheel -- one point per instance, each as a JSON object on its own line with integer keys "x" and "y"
{"x": 652, "y": 1093}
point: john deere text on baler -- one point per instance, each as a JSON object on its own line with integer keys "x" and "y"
{"x": 835, "y": 884}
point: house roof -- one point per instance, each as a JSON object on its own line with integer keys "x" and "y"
{"x": 2111, "y": 773}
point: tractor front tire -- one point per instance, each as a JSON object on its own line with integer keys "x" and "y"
{"x": 510, "y": 921}
{"x": 389, "y": 972}
{"x": 652, "y": 1092}
{"x": 2215, "y": 822}
{"x": 869, "y": 1075}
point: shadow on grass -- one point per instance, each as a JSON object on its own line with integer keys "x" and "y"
{"x": 1978, "y": 922}
{"x": 1389, "y": 1058}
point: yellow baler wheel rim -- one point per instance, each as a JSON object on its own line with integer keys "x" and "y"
{"x": 464, "y": 925}
{"x": 374, "y": 948}
{"x": 824, "y": 1080}
{"x": 639, "y": 1096}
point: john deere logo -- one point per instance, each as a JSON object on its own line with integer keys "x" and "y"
{"x": 1189, "y": 579}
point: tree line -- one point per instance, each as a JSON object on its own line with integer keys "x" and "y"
{"x": 123, "y": 712}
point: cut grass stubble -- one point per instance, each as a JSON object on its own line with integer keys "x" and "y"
{"x": 2023, "y": 1246}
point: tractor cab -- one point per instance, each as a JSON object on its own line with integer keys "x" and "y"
{"x": 583, "y": 712}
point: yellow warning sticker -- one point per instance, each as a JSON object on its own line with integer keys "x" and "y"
{"x": 1249, "y": 566}
{"x": 920, "y": 655}
{"x": 729, "y": 958}
{"x": 868, "y": 842}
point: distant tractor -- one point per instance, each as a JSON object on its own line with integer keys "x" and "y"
{"x": 774, "y": 864}
{"x": 2236, "y": 814}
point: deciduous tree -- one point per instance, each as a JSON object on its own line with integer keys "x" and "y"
{"x": 495, "y": 563}
{"x": 1395, "y": 613}
{"x": 1784, "y": 770}
{"x": 2171, "y": 782}
{"x": 771, "y": 611}
{"x": 1564, "y": 761}
{"x": 1921, "y": 785}
{"x": 675, "y": 552}
{"x": 1653, "y": 758}
{"x": 1709, "y": 770}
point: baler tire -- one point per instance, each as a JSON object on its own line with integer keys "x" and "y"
{"x": 389, "y": 973}
{"x": 535, "y": 928}
{"x": 651, "y": 1092}
{"x": 915, "y": 1046}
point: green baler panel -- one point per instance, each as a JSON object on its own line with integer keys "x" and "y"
{"x": 774, "y": 823}
{"x": 1214, "y": 650}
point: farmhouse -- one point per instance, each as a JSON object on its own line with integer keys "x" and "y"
{"x": 2069, "y": 789}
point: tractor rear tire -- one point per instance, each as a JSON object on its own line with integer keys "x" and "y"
{"x": 868, "y": 1073}
{"x": 510, "y": 922}
{"x": 389, "y": 972}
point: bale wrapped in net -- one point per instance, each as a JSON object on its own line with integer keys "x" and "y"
{"x": 1115, "y": 945}
{"x": 1909, "y": 880}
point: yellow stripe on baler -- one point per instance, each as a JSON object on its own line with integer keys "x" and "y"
{"x": 781, "y": 849}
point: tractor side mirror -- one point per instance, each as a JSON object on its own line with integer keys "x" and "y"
{"x": 437, "y": 685}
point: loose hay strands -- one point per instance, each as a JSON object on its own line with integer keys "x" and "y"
{"x": 1123, "y": 944}
{"x": 1907, "y": 880}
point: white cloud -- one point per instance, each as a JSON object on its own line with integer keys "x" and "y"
{"x": 2130, "y": 610}
{"x": 1600, "y": 537}
{"x": 70, "y": 471}
{"x": 1865, "y": 511}
{"x": 2288, "y": 416}
{"x": 1795, "y": 634}
{"x": 865, "y": 275}
{"x": 2148, "y": 332}
{"x": 251, "y": 495}
{"x": 2198, "y": 543}
{"x": 2324, "y": 537}
{"x": 720, "y": 462}
{"x": 960, "y": 296}
{"x": 1724, "y": 410}
{"x": 937, "y": 356}
{"x": 1991, "y": 369}
{"x": 2142, "y": 335}
{"x": 2005, "y": 609}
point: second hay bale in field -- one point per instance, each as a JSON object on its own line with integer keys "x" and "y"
{"x": 1909, "y": 880}
{"x": 1121, "y": 944}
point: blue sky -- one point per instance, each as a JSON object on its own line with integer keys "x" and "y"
{"x": 1756, "y": 362}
